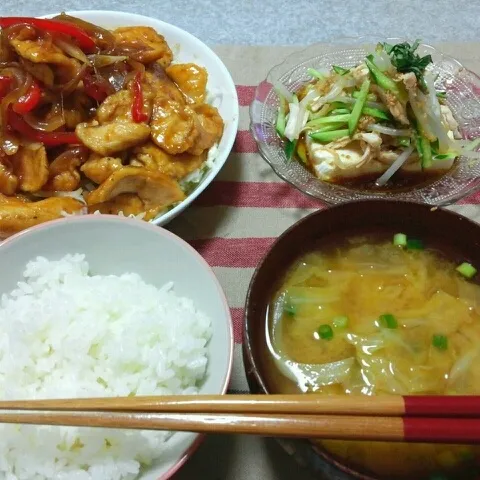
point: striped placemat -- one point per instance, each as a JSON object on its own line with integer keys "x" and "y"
{"x": 232, "y": 224}
{"x": 236, "y": 219}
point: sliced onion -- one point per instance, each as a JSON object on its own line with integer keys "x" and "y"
{"x": 100, "y": 61}
{"x": 104, "y": 39}
{"x": 70, "y": 49}
{"x": 334, "y": 92}
{"x": 402, "y": 158}
{"x": 50, "y": 125}
{"x": 393, "y": 132}
{"x": 71, "y": 85}
{"x": 382, "y": 60}
{"x": 281, "y": 89}
{"x": 469, "y": 154}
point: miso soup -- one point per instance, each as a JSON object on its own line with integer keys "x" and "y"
{"x": 364, "y": 316}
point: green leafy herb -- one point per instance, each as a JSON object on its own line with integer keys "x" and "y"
{"x": 400, "y": 240}
{"x": 404, "y": 59}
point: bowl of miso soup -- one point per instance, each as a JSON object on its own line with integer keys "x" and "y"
{"x": 370, "y": 298}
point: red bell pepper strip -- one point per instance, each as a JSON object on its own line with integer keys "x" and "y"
{"x": 5, "y": 83}
{"x": 29, "y": 101}
{"x": 85, "y": 42}
{"x": 93, "y": 89}
{"x": 49, "y": 139}
{"x": 138, "y": 114}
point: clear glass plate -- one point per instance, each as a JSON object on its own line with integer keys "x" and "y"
{"x": 463, "y": 97}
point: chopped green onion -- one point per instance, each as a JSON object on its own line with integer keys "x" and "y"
{"x": 333, "y": 119}
{"x": 340, "y": 105}
{"x": 290, "y": 309}
{"x": 382, "y": 80}
{"x": 340, "y": 321}
{"x": 326, "y": 128}
{"x": 358, "y": 107}
{"x": 339, "y": 111}
{"x": 315, "y": 73}
{"x": 445, "y": 156}
{"x": 467, "y": 270}
{"x": 325, "y": 332}
{"x": 376, "y": 113}
{"x": 425, "y": 151}
{"x": 388, "y": 320}
{"x": 281, "y": 120}
{"x": 403, "y": 141}
{"x": 442, "y": 95}
{"x": 400, "y": 240}
{"x": 340, "y": 70}
{"x": 370, "y": 97}
{"x": 440, "y": 342}
{"x": 326, "y": 137}
{"x": 290, "y": 148}
{"x": 415, "y": 244}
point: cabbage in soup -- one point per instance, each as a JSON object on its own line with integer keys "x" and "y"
{"x": 371, "y": 316}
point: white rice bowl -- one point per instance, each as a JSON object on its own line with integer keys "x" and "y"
{"x": 69, "y": 329}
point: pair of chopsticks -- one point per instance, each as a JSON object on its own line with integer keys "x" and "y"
{"x": 439, "y": 419}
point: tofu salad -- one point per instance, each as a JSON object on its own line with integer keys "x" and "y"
{"x": 381, "y": 119}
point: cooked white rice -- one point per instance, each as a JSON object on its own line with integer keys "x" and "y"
{"x": 65, "y": 333}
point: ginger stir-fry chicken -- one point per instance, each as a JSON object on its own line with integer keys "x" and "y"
{"x": 96, "y": 120}
{"x": 382, "y": 116}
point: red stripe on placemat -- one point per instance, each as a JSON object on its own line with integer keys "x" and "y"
{"x": 244, "y": 143}
{"x": 255, "y": 194}
{"x": 245, "y": 93}
{"x": 232, "y": 252}
{"x": 237, "y": 320}
{"x": 473, "y": 199}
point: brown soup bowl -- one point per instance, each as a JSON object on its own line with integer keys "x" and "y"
{"x": 419, "y": 220}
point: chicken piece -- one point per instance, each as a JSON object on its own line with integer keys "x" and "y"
{"x": 174, "y": 126}
{"x": 63, "y": 171}
{"x": 118, "y": 106}
{"x": 30, "y": 165}
{"x": 190, "y": 79}
{"x": 98, "y": 168}
{"x": 43, "y": 50}
{"x": 397, "y": 108}
{"x": 449, "y": 121}
{"x": 155, "y": 189}
{"x": 175, "y": 166}
{"x": 210, "y": 128}
{"x": 17, "y": 215}
{"x": 126, "y": 203}
{"x": 112, "y": 137}
{"x": 8, "y": 180}
{"x": 146, "y": 44}
{"x": 159, "y": 84}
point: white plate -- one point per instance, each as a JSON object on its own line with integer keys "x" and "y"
{"x": 186, "y": 48}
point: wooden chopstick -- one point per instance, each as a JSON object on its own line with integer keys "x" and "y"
{"x": 387, "y": 405}
{"x": 387, "y": 418}
{"x": 340, "y": 427}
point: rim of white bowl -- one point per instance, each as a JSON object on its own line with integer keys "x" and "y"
{"x": 184, "y": 204}
{"x": 162, "y": 232}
